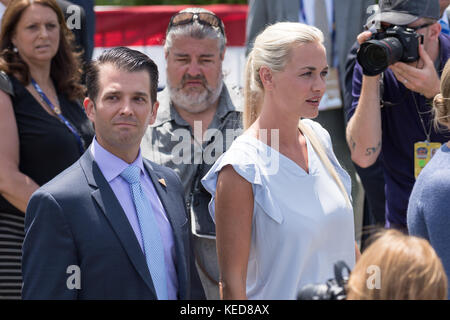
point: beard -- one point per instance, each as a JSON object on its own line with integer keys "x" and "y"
{"x": 195, "y": 101}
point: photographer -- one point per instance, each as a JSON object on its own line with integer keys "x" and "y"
{"x": 390, "y": 113}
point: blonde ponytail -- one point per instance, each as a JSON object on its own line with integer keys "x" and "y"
{"x": 253, "y": 96}
{"x": 441, "y": 102}
{"x": 441, "y": 112}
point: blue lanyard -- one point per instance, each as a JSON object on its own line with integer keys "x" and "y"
{"x": 57, "y": 111}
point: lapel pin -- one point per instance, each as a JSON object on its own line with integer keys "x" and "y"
{"x": 163, "y": 182}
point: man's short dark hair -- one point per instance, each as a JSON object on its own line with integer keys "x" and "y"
{"x": 125, "y": 59}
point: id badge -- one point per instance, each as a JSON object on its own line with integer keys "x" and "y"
{"x": 423, "y": 152}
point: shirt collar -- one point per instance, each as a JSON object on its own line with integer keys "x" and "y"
{"x": 110, "y": 165}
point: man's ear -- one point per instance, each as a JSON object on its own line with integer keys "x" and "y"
{"x": 89, "y": 107}
{"x": 154, "y": 112}
{"x": 266, "y": 76}
{"x": 435, "y": 30}
{"x": 222, "y": 55}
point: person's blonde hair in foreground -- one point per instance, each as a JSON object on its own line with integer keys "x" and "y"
{"x": 408, "y": 268}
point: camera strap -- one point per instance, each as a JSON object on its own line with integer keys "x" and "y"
{"x": 422, "y": 122}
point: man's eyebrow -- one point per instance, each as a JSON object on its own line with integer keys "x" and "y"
{"x": 138, "y": 93}
{"x": 142, "y": 93}
{"x": 112, "y": 91}
{"x": 182, "y": 55}
{"x": 185, "y": 55}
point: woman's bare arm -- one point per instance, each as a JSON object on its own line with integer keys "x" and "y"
{"x": 233, "y": 215}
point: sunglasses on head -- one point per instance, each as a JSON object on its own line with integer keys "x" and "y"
{"x": 204, "y": 18}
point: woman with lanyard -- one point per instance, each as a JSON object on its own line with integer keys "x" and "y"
{"x": 44, "y": 128}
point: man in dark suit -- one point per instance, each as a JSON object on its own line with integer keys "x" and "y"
{"x": 113, "y": 225}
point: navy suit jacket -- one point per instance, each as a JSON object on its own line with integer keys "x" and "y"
{"x": 76, "y": 220}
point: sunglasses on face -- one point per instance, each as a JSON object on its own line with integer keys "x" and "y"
{"x": 204, "y": 18}
{"x": 425, "y": 25}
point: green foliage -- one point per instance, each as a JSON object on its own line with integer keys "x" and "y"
{"x": 164, "y": 2}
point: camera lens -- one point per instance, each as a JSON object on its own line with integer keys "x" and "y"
{"x": 375, "y": 56}
{"x": 376, "y": 53}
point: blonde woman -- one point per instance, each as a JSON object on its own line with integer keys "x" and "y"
{"x": 428, "y": 213}
{"x": 280, "y": 198}
{"x": 398, "y": 267}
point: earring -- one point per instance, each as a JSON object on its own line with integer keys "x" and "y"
{"x": 15, "y": 50}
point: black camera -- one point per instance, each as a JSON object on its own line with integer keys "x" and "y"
{"x": 385, "y": 48}
{"x": 333, "y": 289}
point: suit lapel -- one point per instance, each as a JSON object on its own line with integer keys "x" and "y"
{"x": 173, "y": 215}
{"x": 111, "y": 208}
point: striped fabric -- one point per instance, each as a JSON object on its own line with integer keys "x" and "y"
{"x": 11, "y": 239}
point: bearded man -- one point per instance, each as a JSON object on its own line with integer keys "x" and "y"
{"x": 197, "y": 121}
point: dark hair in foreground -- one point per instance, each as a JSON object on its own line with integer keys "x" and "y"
{"x": 124, "y": 59}
{"x": 65, "y": 66}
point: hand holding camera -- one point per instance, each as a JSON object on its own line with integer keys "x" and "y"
{"x": 400, "y": 49}
{"x": 386, "y": 47}
{"x": 421, "y": 77}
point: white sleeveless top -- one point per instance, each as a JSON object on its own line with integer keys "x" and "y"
{"x": 301, "y": 224}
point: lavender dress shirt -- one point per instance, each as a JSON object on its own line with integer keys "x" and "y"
{"x": 111, "y": 166}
